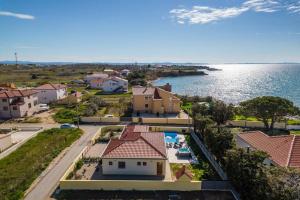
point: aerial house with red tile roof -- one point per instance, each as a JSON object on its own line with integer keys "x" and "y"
{"x": 18, "y": 103}
{"x": 284, "y": 150}
{"x": 135, "y": 153}
{"x": 49, "y": 92}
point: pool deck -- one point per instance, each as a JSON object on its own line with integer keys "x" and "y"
{"x": 175, "y": 159}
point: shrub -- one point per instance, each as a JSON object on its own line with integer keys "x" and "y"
{"x": 65, "y": 116}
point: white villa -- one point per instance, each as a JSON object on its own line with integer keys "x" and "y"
{"x": 136, "y": 152}
{"x": 110, "y": 84}
{"x": 90, "y": 77}
{"x": 125, "y": 72}
{"x": 48, "y": 93}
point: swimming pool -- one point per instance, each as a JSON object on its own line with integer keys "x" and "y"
{"x": 184, "y": 150}
{"x": 171, "y": 137}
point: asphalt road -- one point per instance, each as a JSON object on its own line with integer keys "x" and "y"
{"x": 48, "y": 183}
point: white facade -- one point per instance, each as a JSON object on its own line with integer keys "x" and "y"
{"x": 90, "y": 77}
{"x": 149, "y": 167}
{"x": 5, "y": 141}
{"x": 112, "y": 84}
{"x": 18, "y": 106}
{"x": 50, "y": 95}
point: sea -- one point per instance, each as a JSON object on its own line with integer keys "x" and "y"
{"x": 239, "y": 82}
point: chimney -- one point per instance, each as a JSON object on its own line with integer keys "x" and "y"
{"x": 167, "y": 87}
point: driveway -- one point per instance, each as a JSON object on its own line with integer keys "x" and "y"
{"x": 49, "y": 181}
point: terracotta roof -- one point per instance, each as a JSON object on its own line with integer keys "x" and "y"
{"x": 132, "y": 144}
{"x": 97, "y": 75}
{"x": 16, "y": 93}
{"x": 283, "y": 150}
{"x": 155, "y": 91}
{"x": 183, "y": 170}
{"x": 139, "y": 90}
{"x": 51, "y": 86}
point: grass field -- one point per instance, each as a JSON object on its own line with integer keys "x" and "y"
{"x": 19, "y": 169}
{"x": 295, "y": 132}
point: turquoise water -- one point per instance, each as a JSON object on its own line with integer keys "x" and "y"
{"x": 170, "y": 137}
{"x": 238, "y": 82}
{"x": 184, "y": 150}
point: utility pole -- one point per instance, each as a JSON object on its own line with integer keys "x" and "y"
{"x": 78, "y": 118}
{"x": 16, "y": 57}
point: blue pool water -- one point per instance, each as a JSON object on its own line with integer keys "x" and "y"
{"x": 184, "y": 150}
{"x": 170, "y": 137}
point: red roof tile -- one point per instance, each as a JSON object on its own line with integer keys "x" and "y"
{"x": 51, "y": 86}
{"x": 283, "y": 150}
{"x": 136, "y": 145}
{"x": 16, "y": 93}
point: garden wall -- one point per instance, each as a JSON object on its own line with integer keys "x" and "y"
{"x": 177, "y": 121}
{"x": 144, "y": 185}
{"x": 254, "y": 124}
{"x": 100, "y": 119}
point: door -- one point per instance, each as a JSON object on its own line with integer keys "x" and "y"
{"x": 159, "y": 169}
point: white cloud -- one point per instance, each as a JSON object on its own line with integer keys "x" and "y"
{"x": 263, "y": 5}
{"x": 17, "y": 15}
{"x": 204, "y": 15}
{"x": 294, "y": 7}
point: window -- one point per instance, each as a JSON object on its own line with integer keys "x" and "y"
{"x": 138, "y": 163}
{"x": 121, "y": 165}
{"x": 144, "y": 163}
{"x": 146, "y": 105}
{"x": 110, "y": 163}
{"x": 15, "y": 108}
{"x": 35, "y": 102}
{"x": 4, "y": 100}
{"x": 5, "y": 108}
{"x": 29, "y": 105}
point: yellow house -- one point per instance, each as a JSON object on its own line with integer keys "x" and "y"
{"x": 154, "y": 100}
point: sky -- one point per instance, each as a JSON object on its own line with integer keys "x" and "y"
{"x": 199, "y": 31}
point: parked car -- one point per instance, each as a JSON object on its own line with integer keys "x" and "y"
{"x": 109, "y": 115}
{"x": 63, "y": 126}
{"x": 43, "y": 107}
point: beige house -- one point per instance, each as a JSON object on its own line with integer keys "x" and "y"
{"x": 136, "y": 153}
{"x": 155, "y": 100}
{"x": 18, "y": 103}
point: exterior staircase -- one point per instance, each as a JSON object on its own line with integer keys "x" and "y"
{"x": 294, "y": 160}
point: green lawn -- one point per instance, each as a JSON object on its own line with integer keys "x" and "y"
{"x": 293, "y": 122}
{"x": 242, "y": 117}
{"x": 187, "y": 107}
{"x": 19, "y": 169}
{"x": 295, "y": 132}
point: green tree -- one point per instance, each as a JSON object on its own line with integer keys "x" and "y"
{"x": 201, "y": 123}
{"x": 284, "y": 183}
{"x": 248, "y": 173}
{"x": 202, "y": 109}
{"x": 218, "y": 141}
{"x": 221, "y": 112}
{"x": 268, "y": 108}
